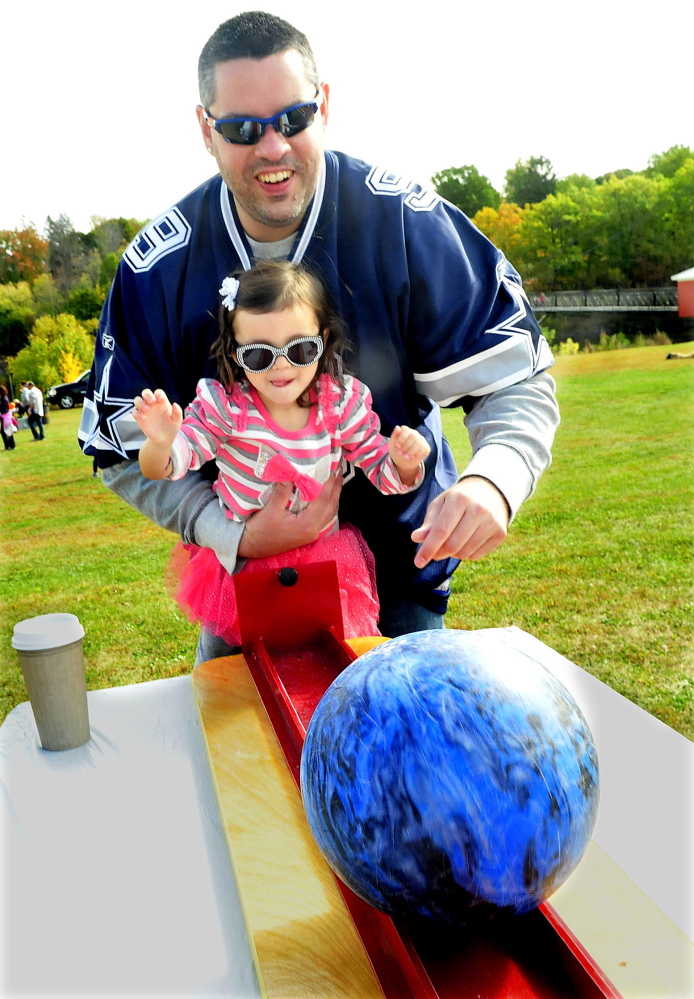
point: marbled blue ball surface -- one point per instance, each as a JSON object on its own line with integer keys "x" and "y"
{"x": 445, "y": 770}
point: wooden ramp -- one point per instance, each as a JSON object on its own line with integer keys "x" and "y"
{"x": 304, "y": 940}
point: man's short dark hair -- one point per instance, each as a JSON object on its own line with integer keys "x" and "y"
{"x": 252, "y": 35}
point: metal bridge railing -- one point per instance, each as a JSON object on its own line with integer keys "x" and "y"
{"x": 602, "y": 298}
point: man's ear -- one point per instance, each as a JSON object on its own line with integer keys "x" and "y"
{"x": 325, "y": 88}
{"x": 205, "y": 129}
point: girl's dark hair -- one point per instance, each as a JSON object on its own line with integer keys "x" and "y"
{"x": 272, "y": 286}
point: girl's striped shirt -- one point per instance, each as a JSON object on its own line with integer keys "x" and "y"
{"x": 236, "y": 430}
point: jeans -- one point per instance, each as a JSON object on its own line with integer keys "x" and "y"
{"x": 405, "y": 617}
{"x": 399, "y": 619}
{"x": 36, "y": 425}
{"x": 212, "y": 647}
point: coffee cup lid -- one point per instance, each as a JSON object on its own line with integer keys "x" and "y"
{"x": 48, "y": 631}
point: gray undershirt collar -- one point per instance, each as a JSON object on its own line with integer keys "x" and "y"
{"x": 278, "y": 250}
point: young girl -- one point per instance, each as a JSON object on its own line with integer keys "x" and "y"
{"x": 283, "y": 410}
{"x": 8, "y": 424}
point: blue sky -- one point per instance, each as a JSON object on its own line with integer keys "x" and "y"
{"x": 97, "y": 110}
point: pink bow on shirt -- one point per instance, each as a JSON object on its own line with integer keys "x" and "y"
{"x": 280, "y": 469}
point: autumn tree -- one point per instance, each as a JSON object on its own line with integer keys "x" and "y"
{"x": 668, "y": 163}
{"x": 17, "y": 315}
{"x": 551, "y": 240}
{"x": 85, "y": 302}
{"x": 71, "y": 254}
{"x": 530, "y": 181}
{"x": 113, "y": 235}
{"x": 59, "y": 350}
{"x": 631, "y": 231}
{"x": 501, "y": 225}
{"x": 23, "y": 255}
{"x": 47, "y": 299}
{"x": 466, "y": 188}
{"x": 107, "y": 271}
{"x": 633, "y": 243}
{"x": 574, "y": 180}
{"x": 13, "y": 335}
{"x": 676, "y": 218}
{"x": 619, "y": 174}
{"x": 108, "y": 235}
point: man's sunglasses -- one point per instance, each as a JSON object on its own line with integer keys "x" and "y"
{"x": 248, "y": 131}
{"x": 302, "y": 352}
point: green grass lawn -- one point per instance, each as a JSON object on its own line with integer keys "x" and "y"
{"x": 598, "y": 563}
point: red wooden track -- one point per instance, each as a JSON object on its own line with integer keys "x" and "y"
{"x": 293, "y": 643}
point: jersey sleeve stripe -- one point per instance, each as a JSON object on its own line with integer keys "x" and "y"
{"x": 473, "y": 373}
{"x": 504, "y": 364}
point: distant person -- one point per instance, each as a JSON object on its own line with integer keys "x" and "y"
{"x": 35, "y": 416}
{"x": 679, "y": 357}
{"x": 23, "y": 399}
{"x": 283, "y": 411}
{"x": 8, "y": 424}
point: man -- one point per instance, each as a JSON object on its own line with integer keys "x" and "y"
{"x": 35, "y": 417}
{"x": 433, "y": 309}
{"x": 23, "y": 399}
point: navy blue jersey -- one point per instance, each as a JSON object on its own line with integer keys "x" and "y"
{"x": 436, "y": 315}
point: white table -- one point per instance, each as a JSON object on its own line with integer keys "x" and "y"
{"x": 116, "y": 874}
{"x": 115, "y": 868}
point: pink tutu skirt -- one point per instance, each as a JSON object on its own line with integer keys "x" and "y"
{"x": 205, "y": 590}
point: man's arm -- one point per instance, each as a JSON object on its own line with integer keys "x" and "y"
{"x": 511, "y": 432}
{"x": 190, "y": 509}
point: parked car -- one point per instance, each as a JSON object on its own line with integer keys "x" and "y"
{"x": 69, "y": 394}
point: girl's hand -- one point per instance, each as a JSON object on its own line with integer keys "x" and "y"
{"x": 408, "y": 449}
{"x": 157, "y": 418}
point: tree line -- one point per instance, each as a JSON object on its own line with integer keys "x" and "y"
{"x": 52, "y": 288}
{"x": 624, "y": 229}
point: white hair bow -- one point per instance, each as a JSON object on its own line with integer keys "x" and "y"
{"x": 229, "y": 289}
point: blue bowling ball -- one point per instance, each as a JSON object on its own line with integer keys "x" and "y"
{"x": 445, "y": 772}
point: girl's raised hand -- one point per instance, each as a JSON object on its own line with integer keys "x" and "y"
{"x": 158, "y": 419}
{"x": 408, "y": 449}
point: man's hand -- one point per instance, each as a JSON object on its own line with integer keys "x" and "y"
{"x": 274, "y": 529}
{"x": 467, "y": 521}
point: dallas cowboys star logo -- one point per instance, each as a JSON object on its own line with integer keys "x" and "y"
{"x": 113, "y": 409}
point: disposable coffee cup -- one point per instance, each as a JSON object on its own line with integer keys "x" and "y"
{"x": 52, "y": 663}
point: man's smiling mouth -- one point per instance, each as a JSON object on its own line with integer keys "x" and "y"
{"x": 276, "y": 177}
